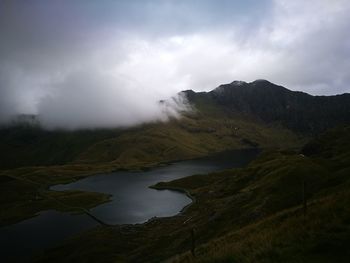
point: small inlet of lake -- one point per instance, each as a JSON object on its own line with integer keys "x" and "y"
{"x": 132, "y": 201}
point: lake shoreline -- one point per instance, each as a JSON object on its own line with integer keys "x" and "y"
{"x": 132, "y": 201}
{"x": 176, "y": 189}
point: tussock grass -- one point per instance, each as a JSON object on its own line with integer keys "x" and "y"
{"x": 252, "y": 214}
{"x": 189, "y": 137}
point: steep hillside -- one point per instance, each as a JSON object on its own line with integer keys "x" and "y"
{"x": 236, "y": 115}
{"x": 31, "y": 145}
{"x": 263, "y": 206}
{"x": 255, "y": 214}
{"x": 188, "y": 137}
{"x": 271, "y": 103}
{"x": 194, "y": 135}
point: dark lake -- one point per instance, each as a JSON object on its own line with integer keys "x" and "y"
{"x": 132, "y": 202}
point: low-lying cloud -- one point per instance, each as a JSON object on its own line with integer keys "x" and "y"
{"x": 98, "y": 99}
{"x": 85, "y": 65}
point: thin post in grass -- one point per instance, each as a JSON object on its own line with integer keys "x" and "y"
{"x": 304, "y": 199}
{"x": 193, "y": 243}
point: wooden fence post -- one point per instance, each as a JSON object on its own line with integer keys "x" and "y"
{"x": 304, "y": 199}
{"x": 193, "y": 243}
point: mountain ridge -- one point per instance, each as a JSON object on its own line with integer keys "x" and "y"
{"x": 271, "y": 103}
{"x": 235, "y": 117}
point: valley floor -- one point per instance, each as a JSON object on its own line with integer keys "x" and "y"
{"x": 255, "y": 214}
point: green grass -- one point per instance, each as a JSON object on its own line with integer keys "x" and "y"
{"x": 184, "y": 139}
{"x": 194, "y": 135}
{"x": 52, "y": 157}
{"x": 254, "y": 214}
{"x": 32, "y": 146}
{"x": 241, "y": 215}
{"x": 24, "y": 192}
{"x": 322, "y": 236}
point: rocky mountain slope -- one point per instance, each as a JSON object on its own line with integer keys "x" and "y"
{"x": 232, "y": 116}
{"x": 275, "y": 104}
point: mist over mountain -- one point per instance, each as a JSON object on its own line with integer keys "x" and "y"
{"x": 103, "y": 103}
{"x": 259, "y": 100}
{"x": 73, "y": 111}
{"x": 80, "y": 65}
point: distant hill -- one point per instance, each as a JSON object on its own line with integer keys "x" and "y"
{"x": 236, "y": 115}
{"x": 191, "y": 136}
{"x": 271, "y": 103}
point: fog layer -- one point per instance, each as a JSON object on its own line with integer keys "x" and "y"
{"x": 80, "y": 64}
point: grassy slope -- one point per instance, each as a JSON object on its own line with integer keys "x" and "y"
{"x": 186, "y": 138}
{"x": 242, "y": 215}
{"x": 24, "y": 192}
{"x": 273, "y": 228}
{"x": 64, "y": 156}
{"x": 207, "y": 129}
{"x": 198, "y": 133}
{"x": 31, "y": 146}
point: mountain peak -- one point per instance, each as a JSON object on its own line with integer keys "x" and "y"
{"x": 259, "y": 85}
{"x": 238, "y": 83}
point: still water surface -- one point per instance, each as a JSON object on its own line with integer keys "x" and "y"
{"x": 132, "y": 202}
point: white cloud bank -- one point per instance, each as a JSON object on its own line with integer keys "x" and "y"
{"x": 85, "y": 74}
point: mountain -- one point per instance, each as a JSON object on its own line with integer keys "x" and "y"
{"x": 189, "y": 137}
{"x": 236, "y": 115}
{"x": 251, "y": 214}
{"x": 261, "y": 99}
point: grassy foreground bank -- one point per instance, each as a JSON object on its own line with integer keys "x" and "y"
{"x": 255, "y": 214}
{"x": 25, "y": 192}
{"x": 33, "y": 159}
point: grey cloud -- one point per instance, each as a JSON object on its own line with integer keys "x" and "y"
{"x": 91, "y": 63}
{"x": 92, "y": 98}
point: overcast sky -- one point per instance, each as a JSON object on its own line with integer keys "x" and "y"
{"x": 107, "y": 63}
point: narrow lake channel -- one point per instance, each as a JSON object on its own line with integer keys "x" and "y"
{"x": 132, "y": 202}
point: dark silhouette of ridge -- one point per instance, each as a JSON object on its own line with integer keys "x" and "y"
{"x": 271, "y": 103}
